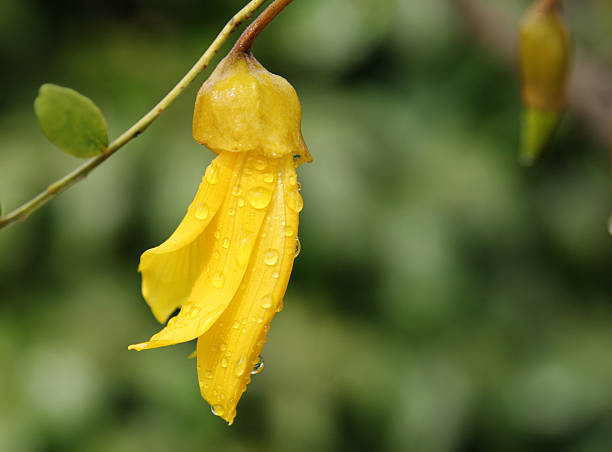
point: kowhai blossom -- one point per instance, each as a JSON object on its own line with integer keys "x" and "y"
{"x": 228, "y": 263}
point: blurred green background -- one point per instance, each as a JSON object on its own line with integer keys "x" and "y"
{"x": 445, "y": 299}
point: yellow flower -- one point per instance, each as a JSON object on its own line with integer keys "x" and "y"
{"x": 228, "y": 263}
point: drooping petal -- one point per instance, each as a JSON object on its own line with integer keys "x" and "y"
{"x": 228, "y": 351}
{"x": 238, "y": 224}
{"x": 170, "y": 269}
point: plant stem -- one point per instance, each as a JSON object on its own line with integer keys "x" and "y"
{"x": 245, "y": 42}
{"x": 25, "y": 210}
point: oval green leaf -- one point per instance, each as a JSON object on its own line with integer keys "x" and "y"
{"x": 71, "y": 121}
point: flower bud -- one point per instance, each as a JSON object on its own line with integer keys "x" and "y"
{"x": 544, "y": 54}
{"x": 242, "y": 107}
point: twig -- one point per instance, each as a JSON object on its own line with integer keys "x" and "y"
{"x": 25, "y": 210}
{"x": 245, "y": 42}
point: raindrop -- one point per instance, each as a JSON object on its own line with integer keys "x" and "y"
{"x": 224, "y": 362}
{"x": 295, "y": 201}
{"x": 231, "y": 212}
{"x": 266, "y": 302}
{"x": 236, "y": 325}
{"x": 268, "y": 178}
{"x": 217, "y": 410}
{"x": 240, "y": 202}
{"x": 298, "y": 247}
{"x": 299, "y": 186}
{"x": 275, "y": 275}
{"x": 244, "y": 250}
{"x": 279, "y": 306}
{"x": 211, "y": 175}
{"x": 209, "y": 375}
{"x": 236, "y": 190}
{"x": 289, "y": 231}
{"x": 241, "y": 366}
{"x": 202, "y": 212}
{"x": 271, "y": 257}
{"x": 218, "y": 279}
{"x": 258, "y": 367}
{"x": 260, "y": 164}
{"x": 293, "y": 180}
{"x": 259, "y": 197}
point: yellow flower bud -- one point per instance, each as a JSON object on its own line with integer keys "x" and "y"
{"x": 243, "y": 107}
{"x": 544, "y": 54}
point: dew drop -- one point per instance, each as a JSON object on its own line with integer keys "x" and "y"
{"x": 217, "y": 410}
{"x": 224, "y": 363}
{"x": 217, "y": 234}
{"x": 240, "y": 202}
{"x": 202, "y": 212}
{"x": 244, "y": 250}
{"x": 241, "y": 366}
{"x": 223, "y": 347}
{"x": 218, "y": 279}
{"x": 225, "y": 243}
{"x": 295, "y": 201}
{"x": 208, "y": 375}
{"x": 299, "y": 186}
{"x": 293, "y": 180}
{"x": 260, "y": 164}
{"x": 231, "y": 212}
{"x": 266, "y": 302}
{"x": 259, "y": 197}
{"x": 288, "y": 231}
{"x": 268, "y": 178}
{"x": 279, "y": 306}
{"x": 212, "y": 174}
{"x": 271, "y": 257}
{"x": 236, "y": 190}
{"x": 236, "y": 325}
{"x": 258, "y": 367}
{"x": 275, "y": 275}
{"x": 298, "y": 247}
{"x": 194, "y": 312}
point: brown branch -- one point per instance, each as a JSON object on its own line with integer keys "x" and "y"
{"x": 246, "y": 40}
{"x": 590, "y": 90}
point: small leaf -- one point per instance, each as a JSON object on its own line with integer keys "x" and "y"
{"x": 71, "y": 121}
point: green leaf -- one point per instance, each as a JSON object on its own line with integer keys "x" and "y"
{"x": 71, "y": 121}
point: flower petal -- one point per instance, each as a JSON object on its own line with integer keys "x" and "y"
{"x": 170, "y": 269}
{"x": 237, "y": 228}
{"x": 228, "y": 351}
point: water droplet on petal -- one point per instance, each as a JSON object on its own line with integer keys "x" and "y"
{"x": 231, "y": 212}
{"x": 266, "y": 302}
{"x": 289, "y": 231}
{"x": 240, "y": 202}
{"x": 208, "y": 375}
{"x": 223, "y": 347}
{"x": 299, "y": 186}
{"x": 225, "y": 243}
{"x": 258, "y": 367}
{"x": 260, "y": 164}
{"x": 275, "y": 275}
{"x": 298, "y": 247}
{"x": 244, "y": 250}
{"x": 271, "y": 257}
{"x": 236, "y": 190}
{"x": 293, "y": 180}
{"x": 202, "y": 212}
{"x": 236, "y": 325}
{"x": 259, "y": 197}
{"x": 268, "y": 178}
{"x": 217, "y": 410}
{"x": 295, "y": 201}
{"x": 212, "y": 174}
{"x": 241, "y": 366}
{"x": 218, "y": 279}
{"x": 224, "y": 362}
{"x": 279, "y": 306}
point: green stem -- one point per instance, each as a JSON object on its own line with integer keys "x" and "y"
{"x": 25, "y": 210}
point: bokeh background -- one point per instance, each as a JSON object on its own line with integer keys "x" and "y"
{"x": 446, "y": 299}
